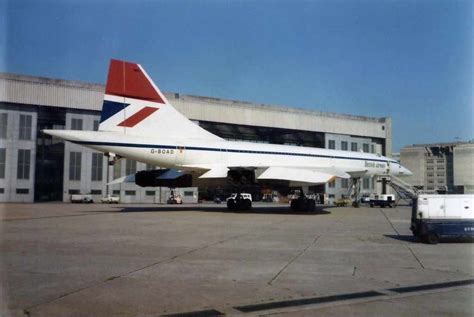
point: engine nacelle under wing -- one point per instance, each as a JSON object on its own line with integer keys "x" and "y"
{"x": 163, "y": 178}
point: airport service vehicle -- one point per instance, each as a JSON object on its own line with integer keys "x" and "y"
{"x": 365, "y": 198}
{"x": 174, "y": 200}
{"x": 343, "y": 201}
{"x": 239, "y": 201}
{"x": 79, "y": 198}
{"x": 110, "y": 199}
{"x": 382, "y": 200}
{"x": 442, "y": 216}
{"x": 137, "y": 122}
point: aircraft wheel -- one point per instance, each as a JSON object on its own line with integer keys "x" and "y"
{"x": 310, "y": 205}
{"x": 294, "y": 205}
{"x": 231, "y": 205}
{"x": 246, "y": 204}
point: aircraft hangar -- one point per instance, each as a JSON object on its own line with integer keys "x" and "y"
{"x": 35, "y": 167}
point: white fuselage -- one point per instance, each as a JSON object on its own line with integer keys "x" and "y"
{"x": 188, "y": 154}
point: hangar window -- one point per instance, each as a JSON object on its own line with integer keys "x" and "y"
{"x": 372, "y": 148}
{"x": 130, "y": 167}
{"x": 150, "y": 193}
{"x": 354, "y": 147}
{"x": 344, "y": 183}
{"x": 3, "y": 125}
{"x": 129, "y": 193}
{"x": 344, "y": 145}
{"x": 365, "y": 148}
{"x": 74, "y": 191}
{"x": 150, "y": 167}
{"x": 96, "y": 192}
{"x": 332, "y": 184}
{"x": 23, "y": 170}
{"x": 188, "y": 193}
{"x": 25, "y": 127}
{"x": 96, "y": 125}
{"x": 2, "y": 190}
{"x": 118, "y": 169}
{"x": 22, "y": 190}
{"x": 97, "y": 163}
{"x": 76, "y": 124}
{"x": 75, "y": 166}
{"x": 3, "y": 157}
{"x": 116, "y": 192}
{"x": 366, "y": 183}
{"x": 332, "y": 144}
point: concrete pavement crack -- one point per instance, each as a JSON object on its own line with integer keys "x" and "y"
{"x": 388, "y": 220}
{"x": 417, "y": 259}
{"x": 407, "y": 246}
{"x": 111, "y": 278}
{"x": 293, "y": 259}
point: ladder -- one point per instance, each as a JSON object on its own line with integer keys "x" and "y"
{"x": 404, "y": 190}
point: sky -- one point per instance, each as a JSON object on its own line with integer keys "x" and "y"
{"x": 408, "y": 60}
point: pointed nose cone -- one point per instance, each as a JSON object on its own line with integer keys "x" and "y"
{"x": 405, "y": 171}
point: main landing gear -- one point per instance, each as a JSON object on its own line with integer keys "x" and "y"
{"x": 239, "y": 179}
{"x": 303, "y": 203}
{"x": 355, "y": 190}
{"x": 239, "y": 203}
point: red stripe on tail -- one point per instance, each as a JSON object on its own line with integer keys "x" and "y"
{"x": 127, "y": 80}
{"x": 137, "y": 117}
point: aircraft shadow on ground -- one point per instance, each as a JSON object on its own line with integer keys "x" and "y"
{"x": 281, "y": 210}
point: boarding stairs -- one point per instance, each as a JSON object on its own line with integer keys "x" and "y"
{"x": 404, "y": 190}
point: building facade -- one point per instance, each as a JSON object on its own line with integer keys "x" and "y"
{"x": 443, "y": 167}
{"x": 37, "y": 167}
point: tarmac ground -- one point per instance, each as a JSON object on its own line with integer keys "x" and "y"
{"x": 60, "y": 259}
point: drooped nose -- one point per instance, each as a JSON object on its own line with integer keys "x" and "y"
{"x": 404, "y": 171}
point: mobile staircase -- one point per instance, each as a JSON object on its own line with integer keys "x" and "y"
{"x": 404, "y": 190}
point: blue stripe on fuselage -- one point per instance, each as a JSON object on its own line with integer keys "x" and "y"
{"x": 195, "y": 148}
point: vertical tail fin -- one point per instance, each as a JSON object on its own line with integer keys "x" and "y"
{"x": 133, "y": 104}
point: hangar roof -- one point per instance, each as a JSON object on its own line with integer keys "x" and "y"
{"x": 24, "y": 89}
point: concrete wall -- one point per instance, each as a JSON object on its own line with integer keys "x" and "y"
{"x": 11, "y": 184}
{"x": 464, "y": 167}
{"x": 337, "y": 191}
{"x": 413, "y": 158}
{"x": 23, "y": 89}
{"x": 85, "y": 185}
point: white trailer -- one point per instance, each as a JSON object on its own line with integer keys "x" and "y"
{"x": 441, "y": 216}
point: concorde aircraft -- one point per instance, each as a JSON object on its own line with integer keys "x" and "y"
{"x": 137, "y": 122}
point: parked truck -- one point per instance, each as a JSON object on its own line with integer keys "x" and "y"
{"x": 382, "y": 200}
{"x": 442, "y": 216}
{"x": 80, "y": 198}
